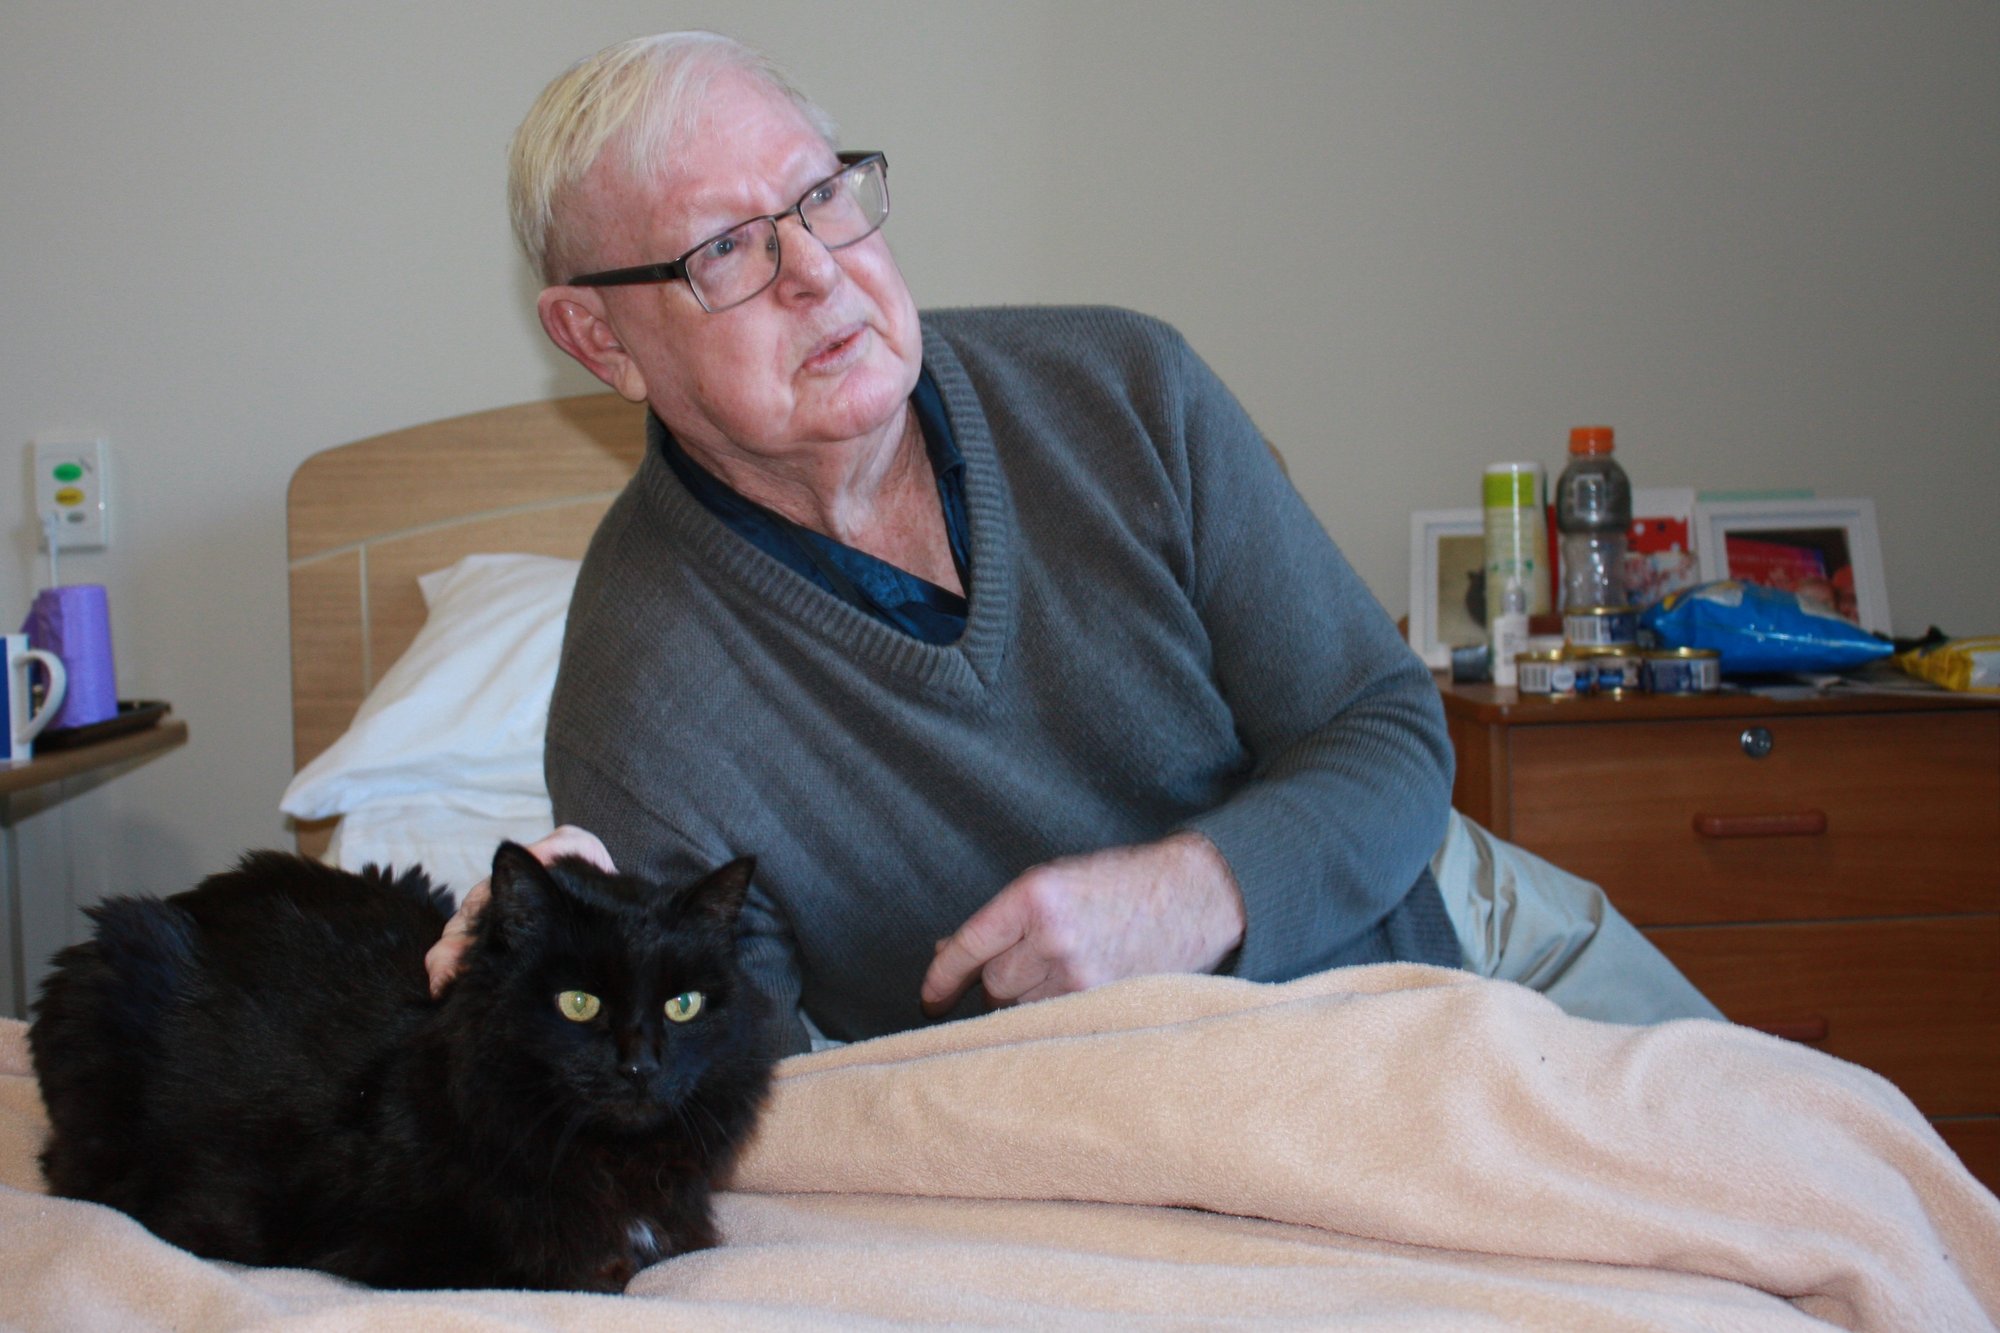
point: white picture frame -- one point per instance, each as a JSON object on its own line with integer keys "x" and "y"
{"x": 1442, "y": 541}
{"x": 1790, "y": 536}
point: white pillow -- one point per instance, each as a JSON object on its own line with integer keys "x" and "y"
{"x": 455, "y": 847}
{"x": 458, "y": 720}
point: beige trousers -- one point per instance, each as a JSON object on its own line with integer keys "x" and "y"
{"x": 1520, "y": 918}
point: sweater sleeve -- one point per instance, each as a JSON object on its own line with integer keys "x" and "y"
{"x": 643, "y": 843}
{"x": 1351, "y": 782}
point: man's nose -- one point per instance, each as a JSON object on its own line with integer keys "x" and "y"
{"x": 805, "y": 265}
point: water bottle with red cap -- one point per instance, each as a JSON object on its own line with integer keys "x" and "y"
{"x": 1593, "y": 516}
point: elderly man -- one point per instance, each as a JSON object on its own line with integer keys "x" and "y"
{"x": 997, "y": 636}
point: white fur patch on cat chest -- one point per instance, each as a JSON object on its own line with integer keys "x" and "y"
{"x": 644, "y": 1240}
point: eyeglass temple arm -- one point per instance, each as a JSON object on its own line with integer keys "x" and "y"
{"x": 620, "y": 277}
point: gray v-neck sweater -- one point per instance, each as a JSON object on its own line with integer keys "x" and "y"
{"x": 1160, "y": 636}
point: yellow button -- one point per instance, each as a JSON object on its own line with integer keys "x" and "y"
{"x": 69, "y": 495}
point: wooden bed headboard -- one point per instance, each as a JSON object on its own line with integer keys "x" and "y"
{"x": 365, "y": 519}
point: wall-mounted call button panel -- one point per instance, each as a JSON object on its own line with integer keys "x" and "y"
{"x": 69, "y": 483}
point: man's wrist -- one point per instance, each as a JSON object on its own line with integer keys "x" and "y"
{"x": 1223, "y": 918}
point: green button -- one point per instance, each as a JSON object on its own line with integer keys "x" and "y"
{"x": 68, "y": 472}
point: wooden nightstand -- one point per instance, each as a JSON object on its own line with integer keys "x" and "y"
{"x": 1827, "y": 869}
{"x": 100, "y": 762}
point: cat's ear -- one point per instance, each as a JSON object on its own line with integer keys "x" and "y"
{"x": 520, "y": 887}
{"x": 720, "y": 897}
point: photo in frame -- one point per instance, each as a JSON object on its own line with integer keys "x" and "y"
{"x": 1447, "y": 582}
{"x": 1826, "y": 551}
{"x": 1661, "y": 547}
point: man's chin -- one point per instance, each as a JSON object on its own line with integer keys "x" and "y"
{"x": 862, "y": 399}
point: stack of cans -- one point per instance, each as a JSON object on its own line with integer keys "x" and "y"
{"x": 1600, "y": 655}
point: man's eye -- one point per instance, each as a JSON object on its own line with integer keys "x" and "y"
{"x": 721, "y": 247}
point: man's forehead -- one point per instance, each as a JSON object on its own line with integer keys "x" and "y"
{"x": 705, "y": 174}
{"x": 727, "y": 184}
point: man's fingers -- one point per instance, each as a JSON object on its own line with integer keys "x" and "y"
{"x": 951, "y": 972}
{"x": 1019, "y": 974}
{"x": 442, "y": 961}
{"x": 569, "y": 840}
{"x": 987, "y": 933}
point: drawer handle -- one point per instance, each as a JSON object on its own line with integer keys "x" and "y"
{"x": 1757, "y": 741}
{"x": 1806, "y": 1030}
{"x": 1804, "y": 824}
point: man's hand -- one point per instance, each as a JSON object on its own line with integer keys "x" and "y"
{"x": 442, "y": 962}
{"x": 1167, "y": 906}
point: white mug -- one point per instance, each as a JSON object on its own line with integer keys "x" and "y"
{"x": 23, "y": 720}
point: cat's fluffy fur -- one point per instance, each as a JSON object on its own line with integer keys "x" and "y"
{"x": 256, "y": 1071}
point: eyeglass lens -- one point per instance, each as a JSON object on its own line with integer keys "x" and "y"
{"x": 842, "y": 209}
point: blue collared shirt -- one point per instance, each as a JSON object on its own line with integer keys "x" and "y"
{"x": 893, "y": 596}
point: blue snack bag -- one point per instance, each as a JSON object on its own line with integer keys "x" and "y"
{"x": 1759, "y": 629}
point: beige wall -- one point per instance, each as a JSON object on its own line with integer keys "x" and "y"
{"x": 1762, "y": 239}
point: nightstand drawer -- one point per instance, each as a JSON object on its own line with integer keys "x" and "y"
{"x": 1916, "y": 1001}
{"x": 1840, "y": 816}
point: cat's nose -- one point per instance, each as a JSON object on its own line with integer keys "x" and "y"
{"x": 638, "y": 1061}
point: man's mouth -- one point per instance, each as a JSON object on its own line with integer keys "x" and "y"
{"x": 833, "y": 350}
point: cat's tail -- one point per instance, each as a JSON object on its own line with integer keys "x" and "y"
{"x": 135, "y": 966}
{"x": 96, "y": 1034}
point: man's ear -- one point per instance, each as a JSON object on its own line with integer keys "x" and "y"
{"x": 575, "y": 320}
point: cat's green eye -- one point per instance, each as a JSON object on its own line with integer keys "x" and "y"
{"x": 684, "y": 1006}
{"x": 578, "y": 1006}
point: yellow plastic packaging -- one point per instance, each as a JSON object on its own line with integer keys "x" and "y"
{"x": 1957, "y": 664}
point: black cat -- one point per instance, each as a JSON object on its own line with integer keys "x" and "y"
{"x": 256, "y": 1071}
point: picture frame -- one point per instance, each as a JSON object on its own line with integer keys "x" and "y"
{"x": 1826, "y": 550}
{"x": 1662, "y": 549}
{"x": 1447, "y": 548}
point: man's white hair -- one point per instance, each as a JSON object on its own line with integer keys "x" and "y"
{"x": 638, "y": 97}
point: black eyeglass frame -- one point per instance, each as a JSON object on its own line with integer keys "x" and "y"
{"x": 675, "y": 270}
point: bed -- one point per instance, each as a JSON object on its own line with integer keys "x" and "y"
{"x": 1393, "y": 1146}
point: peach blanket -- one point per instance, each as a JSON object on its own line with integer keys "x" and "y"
{"x": 1396, "y": 1146}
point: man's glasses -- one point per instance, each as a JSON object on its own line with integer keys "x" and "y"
{"x": 731, "y": 267}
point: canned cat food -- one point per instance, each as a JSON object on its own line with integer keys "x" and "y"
{"x": 1548, "y": 672}
{"x": 1607, "y": 671}
{"x": 1681, "y": 670}
{"x": 1601, "y": 626}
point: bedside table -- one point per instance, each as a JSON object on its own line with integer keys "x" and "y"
{"x": 1826, "y": 869}
{"x": 102, "y": 758}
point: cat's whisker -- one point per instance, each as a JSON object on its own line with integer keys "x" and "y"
{"x": 528, "y": 1134}
{"x": 721, "y": 1129}
{"x": 563, "y": 1141}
